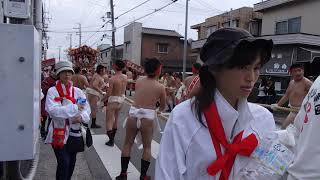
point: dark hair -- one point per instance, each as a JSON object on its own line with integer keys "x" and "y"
{"x": 263, "y": 82}
{"x": 244, "y": 54}
{"x": 296, "y": 65}
{"x": 100, "y": 68}
{"x": 77, "y": 70}
{"x": 120, "y": 65}
{"x": 150, "y": 66}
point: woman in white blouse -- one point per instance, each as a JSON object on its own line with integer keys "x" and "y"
{"x": 213, "y": 135}
{"x": 68, "y": 108}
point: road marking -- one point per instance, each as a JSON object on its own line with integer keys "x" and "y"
{"x": 155, "y": 149}
{"x": 111, "y": 158}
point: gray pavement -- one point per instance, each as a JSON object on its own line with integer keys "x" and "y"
{"x": 47, "y": 165}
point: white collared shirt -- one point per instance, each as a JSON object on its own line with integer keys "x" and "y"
{"x": 186, "y": 148}
{"x": 59, "y": 113}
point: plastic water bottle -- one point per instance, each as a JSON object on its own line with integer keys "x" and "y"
{"x": 81, "y": 101}
{"x": 271, "y": 160}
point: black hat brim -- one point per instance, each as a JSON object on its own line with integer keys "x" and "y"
{"x": 263, "y": 44}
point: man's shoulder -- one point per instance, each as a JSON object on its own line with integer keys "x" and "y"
{"x": 307, "y": 81}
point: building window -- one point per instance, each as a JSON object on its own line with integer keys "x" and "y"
{"x": 163, "y": 48}
{"x": 292, "y": 25}
{"x": 211, "y": 29}
{"x": 282, "y": 27}
{"x": 235, "y": 23}
{"x": 127, "y": 46}
{"x": 226, "y": 24}
{"x": 255, "y": 28}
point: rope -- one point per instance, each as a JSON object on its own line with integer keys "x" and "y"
{"x": 280, "y": 108}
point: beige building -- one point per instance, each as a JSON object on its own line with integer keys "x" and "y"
{"x": 294, "y": 27}
{"x": 243, "y": 17}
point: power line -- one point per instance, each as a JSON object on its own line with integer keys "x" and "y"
{"x": 205, "y": 4}
{"x": 53, "y": 31}
{"x": 117, "y": 18}
{"x": 132, "y": 9}
{"x": 156, "y": 10}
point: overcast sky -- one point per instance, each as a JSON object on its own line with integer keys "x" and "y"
{"x": 65, "y": 14}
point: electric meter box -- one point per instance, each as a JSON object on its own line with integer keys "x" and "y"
{"x": 17, "y": 8}
{"x": 19, "y": 91}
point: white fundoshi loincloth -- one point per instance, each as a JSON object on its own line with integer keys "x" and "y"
{"x": 141, "y": 113}
{"x": 93, "y": 92}
{"x": 117, "y": 99}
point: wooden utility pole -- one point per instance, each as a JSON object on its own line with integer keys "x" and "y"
{"x": 113, "y": 33}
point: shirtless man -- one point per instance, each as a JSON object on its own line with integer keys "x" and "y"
{"x": 95, "y": 93}
{"x": 192, "y": 83}
{"x": 117, "y": 87}
{"x": 142, "y": 116}
{"x": 79, "y": 80}
{"x": 297, "y": 90}
{"x": 169, "y": 83}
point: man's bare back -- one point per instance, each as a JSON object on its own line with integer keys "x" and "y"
{"x": 148, "y": 92}
{"x": 117, "y": 85}
{"x": 97, "y": 82}
{"x": 297, "y": 91}
{"x": 80, "y": 81}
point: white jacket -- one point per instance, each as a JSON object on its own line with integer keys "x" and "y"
{"x": 186, "y": 148}
{"x": 60, "y": 113}
{"x": 307, "y": 121}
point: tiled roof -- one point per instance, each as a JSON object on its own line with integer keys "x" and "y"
{"x": 161, "y": 32}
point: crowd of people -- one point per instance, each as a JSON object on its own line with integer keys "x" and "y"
{"x": 62, "y": 115}
{"x": 212, "y": 129}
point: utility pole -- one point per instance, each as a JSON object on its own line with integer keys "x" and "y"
{"x": 79, "y": 33}
{"x": 185, "y": 48}
{"x": 59, "y": 52}
{"x": 113, "y": 33}
{"x": 230, "y": 16}
{"x": 70, "y": 38}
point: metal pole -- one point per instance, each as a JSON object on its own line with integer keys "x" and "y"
{"x": 59, "y": 52}
{"x": 70, "y": 36}
{"x": 185, "y": 48}
{"x": 230, "y": 16}
{"x": 80, "y": 35}
{"x": 1, "y": 13}
{"x": 113, "y": 33}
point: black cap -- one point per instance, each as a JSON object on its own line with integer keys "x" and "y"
{"x": 221, "y": 44}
